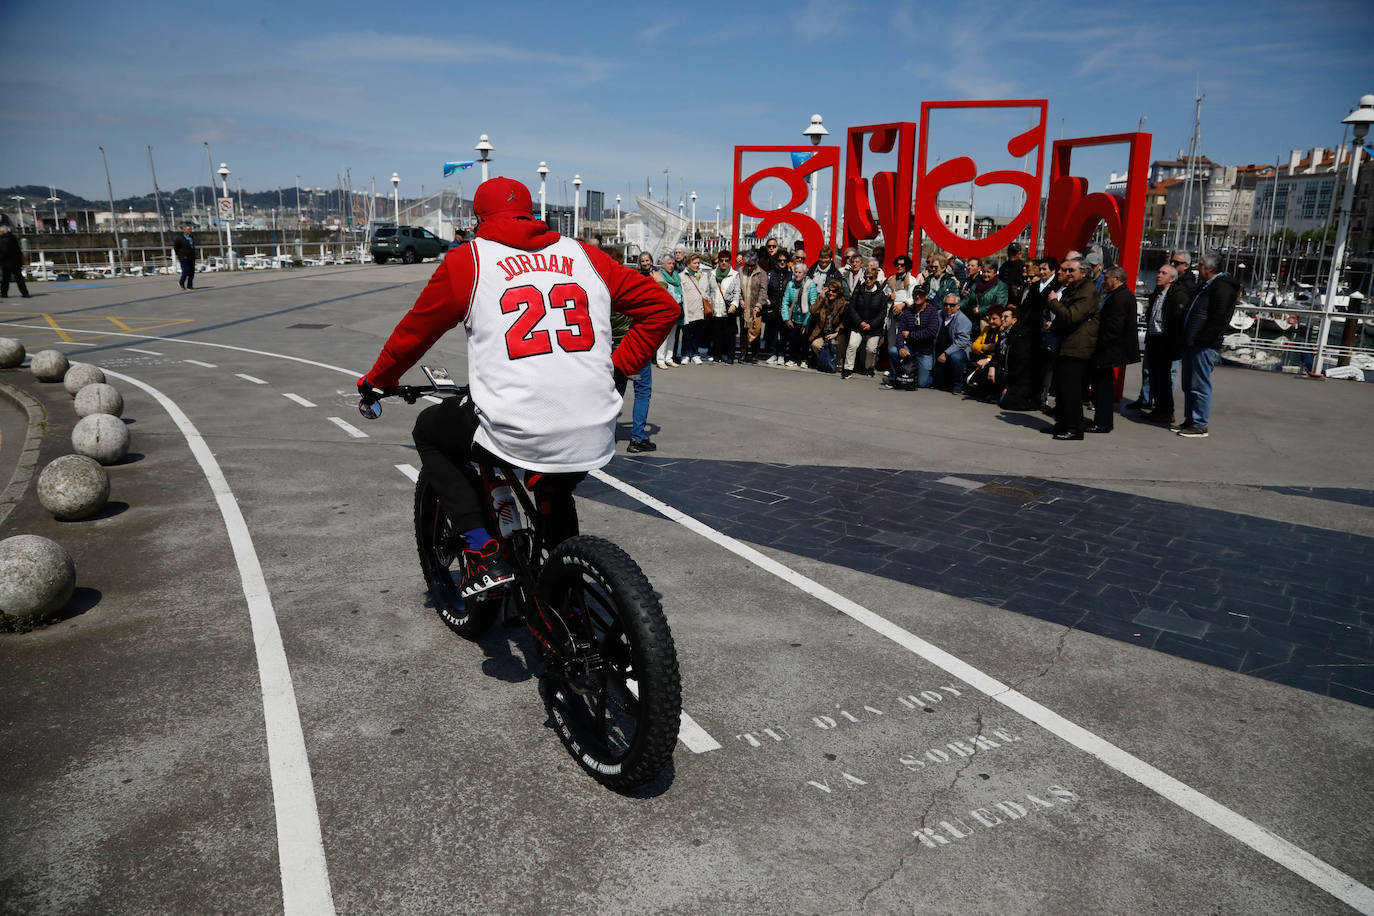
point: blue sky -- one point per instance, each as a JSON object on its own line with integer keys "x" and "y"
{"x": 312, "y": 88}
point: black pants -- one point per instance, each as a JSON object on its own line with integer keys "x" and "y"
{"x": 188, "y": 274}
{"x": 1161, "y": 377}
{"x": 1069, "y": 373}
{"x": 1104, "y": 396}
{"x": 723, "y": 344}
{"x": 17, "y": 275}
{"x": 443, "y": 438}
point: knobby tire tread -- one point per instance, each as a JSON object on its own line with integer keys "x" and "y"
{"x": 660, "y": 688}
{"x": 475, "y": 616}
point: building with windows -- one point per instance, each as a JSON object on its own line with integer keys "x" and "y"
{"x": 1303, "y": 195}
{"x": 957, "y": 215}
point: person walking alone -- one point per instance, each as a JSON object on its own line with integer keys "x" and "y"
{"x": 11, "y": 263}
{"x": 184, "y": 247}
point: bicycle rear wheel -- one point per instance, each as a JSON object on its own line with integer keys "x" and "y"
{"x": 441, "y": 561}
{"x": 615, "y": 697}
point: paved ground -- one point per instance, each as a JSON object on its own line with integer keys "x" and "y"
{"x": 953, "y": 666}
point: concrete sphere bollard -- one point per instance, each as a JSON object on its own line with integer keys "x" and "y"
{"x": 79, "y": 375}
{"x": 99, "y": 398}
{"x": 102, "y": 437}
{"x": 37, "y": 576}
{"x": 11, "y": 353}
{"x": 73, "y": 487}
{"x": 48, "y": 365}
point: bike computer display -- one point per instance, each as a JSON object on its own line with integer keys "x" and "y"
{"x": 439, "y": 377}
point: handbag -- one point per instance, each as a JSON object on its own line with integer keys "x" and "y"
{"x": 827, "y": 357}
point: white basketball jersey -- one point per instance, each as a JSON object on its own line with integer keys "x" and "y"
{"x": 539, "y": 357}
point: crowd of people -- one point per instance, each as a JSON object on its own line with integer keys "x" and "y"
{"x": 1048, "y": 334}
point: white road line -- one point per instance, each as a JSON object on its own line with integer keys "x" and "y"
{"x": 298, "y": 399}
{"x": 196, "y": 362}
{"x": 300, "y": 845}
{"x": 1295, "y": 859}
{"x": 250, "y": 378}
{"x": 352, "y": 430}
{"x": 697, "y": 740}
{"x": 430, "y": 397}
{"x": 410, "y": 471}
{"x": 144, "y": 352}
{"x": 78, "y": 343}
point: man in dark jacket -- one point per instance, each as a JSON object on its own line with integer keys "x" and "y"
{"x": 1076, "y": 320}
{"x": 1204, "y": 324}
{"x": 1164, "y": 340}
{"x": 184, "y": 247}
{"x": 1016, "y": 363}
{"x": 1118, "y": 346}
{"x": 1182, "y": 288}
{"x": 11, "y": 262}
{"x": 1013, "y": 273}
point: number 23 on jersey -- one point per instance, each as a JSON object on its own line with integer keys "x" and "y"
{"x": 528, "y": 302}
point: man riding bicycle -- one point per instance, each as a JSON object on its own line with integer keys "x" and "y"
{"x": 543, "y": 378}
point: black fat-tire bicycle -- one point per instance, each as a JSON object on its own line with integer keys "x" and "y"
{"x": 610, "y": 680}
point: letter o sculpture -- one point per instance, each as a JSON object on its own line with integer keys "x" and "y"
{"x": 49, "y": 365}
{"x": 73, "y": 487}
{"x": 37, "y": 576}
{"x": 102, "y": 437}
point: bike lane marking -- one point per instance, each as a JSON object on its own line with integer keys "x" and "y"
{"x": 349, "y": 428}
{"x": 1259, "y": 838}
{"x": 144, "y": 352}
{"x": 298, "y": 399}
{"x": 695, "y": 738}
{"x": 300, "y": 843}
{"x": 196, "y": 362}
{"x": 250, "y": 378}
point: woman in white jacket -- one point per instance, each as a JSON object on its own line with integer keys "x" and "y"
{"x": 726, "y": 322}
{"x": 699, "y": 302}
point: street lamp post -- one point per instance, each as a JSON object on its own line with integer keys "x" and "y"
{"x": 577, "y": 215}
{"x": 484, "y": 148}
{"x": 1359, "y": 120}
{"x": 717, "y": 219}
{"x": 693, "y": 198}
{"x": 229, "y": 223}
{"x": 617, "y": 217}
{"x": 56, "y": 227}
{"x": 396, "y": 195}
{"x": 20, "y": 204}
{"x": 543, "y": 171}
{"x": 816, "y": 131}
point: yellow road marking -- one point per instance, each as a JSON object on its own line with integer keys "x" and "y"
{"x": 87, "y": 328}
{"x": 60, "y": 333}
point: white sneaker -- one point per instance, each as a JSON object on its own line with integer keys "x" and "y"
{"x": 661, "y": 364}
{"x": 788, "y": 364}
{"x": 696, "y": 360}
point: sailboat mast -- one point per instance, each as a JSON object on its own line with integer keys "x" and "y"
{"x": 1180, "y": 230}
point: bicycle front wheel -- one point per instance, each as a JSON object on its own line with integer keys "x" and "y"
{"x": 441, "y": 561}
{"x": 614, "y": 691}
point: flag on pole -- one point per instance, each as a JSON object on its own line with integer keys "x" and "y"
{"x": 451, "y": 167}
{"x": 799, "y": 158}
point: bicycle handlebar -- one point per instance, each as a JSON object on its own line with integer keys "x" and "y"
{"x": 408, "y": 393}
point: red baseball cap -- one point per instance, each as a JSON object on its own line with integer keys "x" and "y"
{"x": 501, "y": 195}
